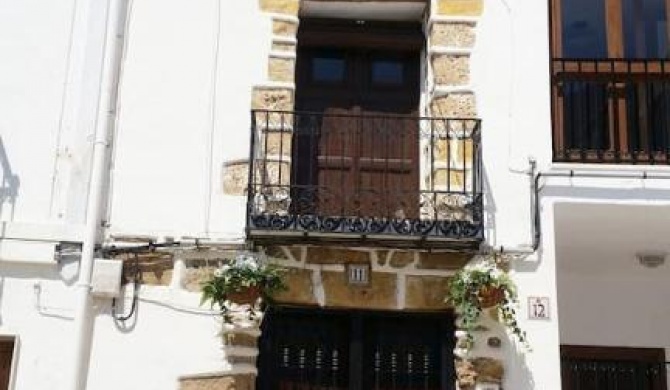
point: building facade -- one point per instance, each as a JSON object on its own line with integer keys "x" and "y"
{"x": 373, "y": 149}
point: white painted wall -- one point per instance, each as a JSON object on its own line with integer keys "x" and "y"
{"x": 511, "y": 82}
{"x": 49, "y": 79}
{"x": 185, "y": 110}
{"x": 170, "y": 335}
{"x": 606, "y": 297}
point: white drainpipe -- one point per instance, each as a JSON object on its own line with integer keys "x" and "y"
{"x": 105, "y": 123}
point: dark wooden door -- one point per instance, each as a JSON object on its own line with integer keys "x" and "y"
{"x": 357, "y": 154}
{"x": 612, "y": 368}
{"x": 320, "y": 349}
{"x": 6, "y": 353}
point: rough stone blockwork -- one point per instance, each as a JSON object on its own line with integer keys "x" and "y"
{"x": 421, "y": 292}
{"x": 289, "y": 7}
{"x": 284, "y": 28}
{"x": 455, "y": 105}
{"x": 281, "y": 69}
{"x": 228, "y": 382}
{"x": 453, "y": 70}
{"x": 460, "y": 7}
{"x": 272, "y": 98}
{"x": 453, "y": 34}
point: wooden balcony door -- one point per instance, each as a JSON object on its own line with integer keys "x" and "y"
{"x": 615, "y": 98}
{"x": 360, "y": 155}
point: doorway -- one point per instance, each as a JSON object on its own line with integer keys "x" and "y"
{"x": 356, "y": 350}
{"x": 610, "y": 368}
{"x": 356, "y": 141}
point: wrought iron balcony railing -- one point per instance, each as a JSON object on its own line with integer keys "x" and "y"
{"x": 339, "y": 176}
{"x": 611, "y": 111}
{"x": 612, "y": 374}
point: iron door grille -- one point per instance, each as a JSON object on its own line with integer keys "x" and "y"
{"x": 318, "y": 349}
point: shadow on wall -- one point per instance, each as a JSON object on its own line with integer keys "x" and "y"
{"x": 9, "y": 186}
{"x": 522, "y": 377}
{"x": 490, "y": 210}
{"x": 43, "y": 286}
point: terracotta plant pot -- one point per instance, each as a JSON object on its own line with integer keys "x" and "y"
{"x": 490, "y": 296}
{"x": 246, "y": 296}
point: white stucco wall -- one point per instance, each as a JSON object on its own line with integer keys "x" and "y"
{"x": 185, "y": 110}
{"x": 511, "y": 81}
{"x": 49, "y": 79}
{"x": 169, "y": 336}
{"x": 606, "y": 297}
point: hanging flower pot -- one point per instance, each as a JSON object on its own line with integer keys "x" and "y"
{"x": 245, "y": 295}
{"x": 484, "y": 286}
{"x": 490, "y": 296}
{"x": 243, "y": 280}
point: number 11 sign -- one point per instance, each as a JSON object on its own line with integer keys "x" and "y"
{"x": 538, "y": 308}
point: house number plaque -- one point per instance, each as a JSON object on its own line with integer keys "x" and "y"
{"x": 538, "y": 308}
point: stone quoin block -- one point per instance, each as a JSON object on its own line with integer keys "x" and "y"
{"x": 454, "y": 105}
{"x": 460, "y": 7}
{"x": 451, "y": 70}
{"x": 280, "y": 99}
{"x": 288, "y": 7}
{"x": 284, "y": 28}
{"x": 235, "y": 178}
{"x": 453, "y": 34}
{"x": 281, "y": 69}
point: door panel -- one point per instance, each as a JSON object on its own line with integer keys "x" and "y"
{"x": 359, "y": 158}
{"x": 302, "y": 351}
{"x": 402, "y": 357}
{"x": 320, "y": 349}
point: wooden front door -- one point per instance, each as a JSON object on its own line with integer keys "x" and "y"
{"x": 359, "y": 154}
{"x": 612, "y": 368}
{"x": 328, "y": 349}
{"x": 6, "y": 354}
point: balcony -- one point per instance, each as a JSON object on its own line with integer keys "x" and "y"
{"x": 611, "y": 111}
{"x": 363, "y": 179}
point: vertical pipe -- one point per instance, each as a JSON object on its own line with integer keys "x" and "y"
{"x": 209, "y": 146}
{"x": 251, "y": 183}
{"x": 105, "y": 122}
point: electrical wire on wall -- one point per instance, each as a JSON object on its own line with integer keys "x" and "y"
{"x": 137, "y": 279}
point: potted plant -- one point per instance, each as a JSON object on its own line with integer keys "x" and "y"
{"x": 245, "y": 280}
{"x": 484, "y": 286}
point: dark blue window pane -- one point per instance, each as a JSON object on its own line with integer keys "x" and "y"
{"x": 645, "y": 28}
{"x": 584, "y": 29}
{"x": 387, "y": 72}
{"x": 328, "y": 69}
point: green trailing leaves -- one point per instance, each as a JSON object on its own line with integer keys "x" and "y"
{"x": 246, "y": 271}
{"x": 483, "y": 286}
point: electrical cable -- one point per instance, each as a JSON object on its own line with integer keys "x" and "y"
{"x": 136, "y": 288}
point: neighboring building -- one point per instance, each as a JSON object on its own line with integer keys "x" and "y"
{"x": 397, "y": 140}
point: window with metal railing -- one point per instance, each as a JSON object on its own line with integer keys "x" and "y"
{"x": 610, "y": 74}
{"x": 334, "y": 176}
